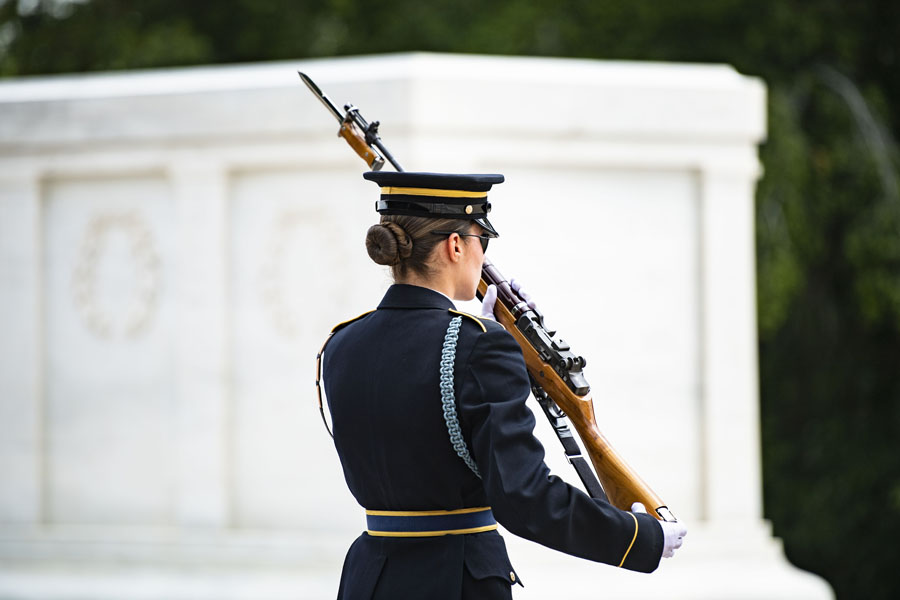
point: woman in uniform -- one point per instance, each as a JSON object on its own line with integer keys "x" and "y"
{"x": 430, "y": 421}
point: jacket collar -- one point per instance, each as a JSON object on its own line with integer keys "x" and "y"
{"x": 401, "y": 295}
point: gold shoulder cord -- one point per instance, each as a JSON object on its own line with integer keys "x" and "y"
{"x": 473, "y": 317}
{"x": 319, "y": 380}
{"x": 319, "y": 366}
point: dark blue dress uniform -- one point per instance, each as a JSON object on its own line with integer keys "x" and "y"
{"x": 381, "y": 375}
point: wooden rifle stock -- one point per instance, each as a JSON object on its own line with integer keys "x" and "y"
{"x": 621, "y": 483}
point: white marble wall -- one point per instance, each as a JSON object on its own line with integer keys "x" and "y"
{"x": 175, "y": 245}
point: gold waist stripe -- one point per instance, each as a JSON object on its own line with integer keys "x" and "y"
{"x": 429, "y": 523}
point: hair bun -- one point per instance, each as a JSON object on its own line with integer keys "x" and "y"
{"x": 388, "y": 244}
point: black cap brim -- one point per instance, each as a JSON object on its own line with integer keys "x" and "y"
{"x": 486, "y": 225}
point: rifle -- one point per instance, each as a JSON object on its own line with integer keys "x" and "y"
{"x": 556, "y": 373}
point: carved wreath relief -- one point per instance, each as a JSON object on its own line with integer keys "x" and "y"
{"x": 111, "y": 321}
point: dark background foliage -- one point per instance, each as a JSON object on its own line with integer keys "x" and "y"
{"x": 828, "y": 206}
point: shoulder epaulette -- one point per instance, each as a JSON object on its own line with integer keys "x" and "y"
{"x": 472, "y": 317}
{"x": 343, "y": 324}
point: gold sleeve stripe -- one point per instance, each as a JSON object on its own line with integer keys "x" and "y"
{"x": 632, "y": 539}
{"x": 406, "y": 191}
{"x": 473, "y": 317}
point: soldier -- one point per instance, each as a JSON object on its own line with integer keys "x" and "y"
{"x": 430, "y": 422}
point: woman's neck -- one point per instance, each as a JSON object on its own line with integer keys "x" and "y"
{"x": 436, "y": 282}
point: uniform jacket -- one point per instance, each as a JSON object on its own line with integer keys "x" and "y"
{"x": 381, "y": 376}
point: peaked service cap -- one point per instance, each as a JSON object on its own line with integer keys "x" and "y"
{"x": 436, "y": 195}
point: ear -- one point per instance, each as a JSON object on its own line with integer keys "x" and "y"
{"x": 454, "y": 248}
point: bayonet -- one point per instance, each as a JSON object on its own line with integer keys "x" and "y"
{"x": 321, "y": 96}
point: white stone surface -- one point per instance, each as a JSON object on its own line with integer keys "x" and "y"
{"x": 174, "y": 246}
{"x": 21, "y": 419}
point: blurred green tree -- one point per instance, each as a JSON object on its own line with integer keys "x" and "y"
{"x": 828, "y": 207}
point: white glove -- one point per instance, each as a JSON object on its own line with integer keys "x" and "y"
{"x": 673, "y": 533}
{"x": 516, "y": 285}
{"x": 487, "y": 303}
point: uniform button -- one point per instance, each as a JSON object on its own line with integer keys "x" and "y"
{"x": 512, "y": 576}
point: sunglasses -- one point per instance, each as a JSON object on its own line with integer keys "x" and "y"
{"x": 483, "y": 238}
